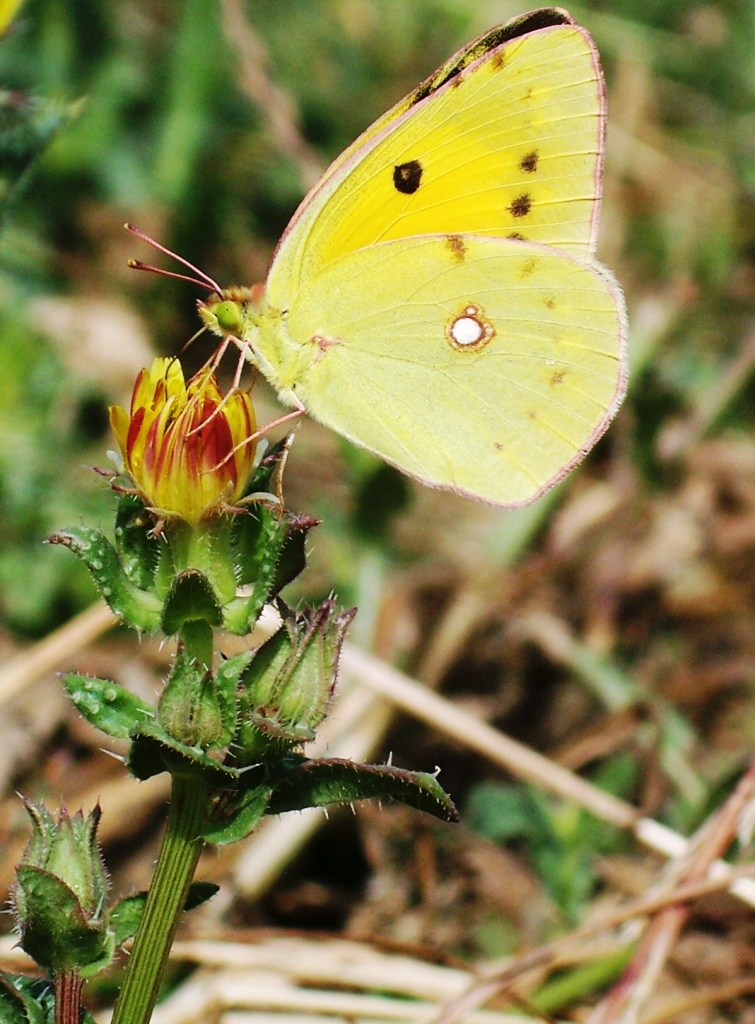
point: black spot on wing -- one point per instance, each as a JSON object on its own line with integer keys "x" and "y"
{"x": 521, "y": 206}
{"x": 528, "y": 163}
{"x": 407, "y": 177}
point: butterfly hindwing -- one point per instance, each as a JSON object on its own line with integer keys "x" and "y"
{"x": 482, "y": 365}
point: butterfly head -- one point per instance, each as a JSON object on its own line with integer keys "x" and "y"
{"x": 224, "y": 313}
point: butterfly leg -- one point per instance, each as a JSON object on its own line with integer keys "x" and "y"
{"x": 211, "y": 366}
{"x": 286, "y": 418}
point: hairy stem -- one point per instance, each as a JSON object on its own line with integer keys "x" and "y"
{"x": 68, "y": 985}
{"x": 176, "y": 862}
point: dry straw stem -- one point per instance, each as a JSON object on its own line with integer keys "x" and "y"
{"x": 52, "y": 652}
{"x": 280, "y": 972}
{"x": 254, "y": 995}
{"x": 561, "y": 951}
{"x": 521, "y": 761}
{"x": 672, "y": 1008}
{"x": 292, "y": 975}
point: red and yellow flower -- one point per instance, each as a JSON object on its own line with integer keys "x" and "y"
{"x": 188, "y": 449}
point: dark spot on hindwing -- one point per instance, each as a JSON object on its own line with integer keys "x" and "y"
{"x": 528, "y": 163}
{"x": 516, "y": 235}
{"x": 407, "y": 177}
{"x": 521, "y": 206}
{"x": 457, "y": 246}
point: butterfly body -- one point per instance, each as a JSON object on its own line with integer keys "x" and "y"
{"x": 435, "y": 298}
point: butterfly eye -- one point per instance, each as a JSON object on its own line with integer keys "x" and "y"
{"x": 228, "y": 316}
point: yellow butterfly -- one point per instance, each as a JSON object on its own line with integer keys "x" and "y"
{"x": 435, "y": 298}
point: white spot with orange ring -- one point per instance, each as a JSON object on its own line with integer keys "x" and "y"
{"x": 470, "y": 329}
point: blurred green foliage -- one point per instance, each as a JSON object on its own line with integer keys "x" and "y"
{"x": 562, "y": 840}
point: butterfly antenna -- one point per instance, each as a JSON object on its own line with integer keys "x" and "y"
{"x": 194, "y": 336}
{"x": 202, "y": 279}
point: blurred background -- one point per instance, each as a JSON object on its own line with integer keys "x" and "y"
{"x": 610, "y": 626}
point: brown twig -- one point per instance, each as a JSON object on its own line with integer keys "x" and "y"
{"x": 520, "y": 760}
{"x": 275, "y": 106}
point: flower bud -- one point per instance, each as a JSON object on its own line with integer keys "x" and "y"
{"x": 286, "y": 689}
{"x": 188, "y": 448}
{"x": 60, "y": 890}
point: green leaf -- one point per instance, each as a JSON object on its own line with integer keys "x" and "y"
{"x": 381, "y": 496}
{"x": 127, "y": 913}
{"x": 136, "y": 607}
{"x": 199, "y": 893}
{"x": 66, "y": 846}
{"x": 268, "y": 545}
{"x": 501, "y": 813}
{"x": 191, "y": 598}
{"x": 562, "y": 839}
{"x": 285, "y": 691}
{"x": 135, "y": 540}
{"x": 292, "y": 559}
{"x": 106, "y": 705}
{"x": 25, "y": 1000}
{"x": 239, "y": 815}
{"x": 197, "y": 708}
{"x": 336, "y": 780}
{"x": 16, "y": 1008}
{"x": 230, "y": 671}
{"x": 258, "y": 537}
{"x": 27, "y": 126}
{"x": 154, "y": 751}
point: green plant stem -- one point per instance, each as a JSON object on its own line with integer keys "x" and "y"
{"x": 68, "y": 987}
{"x": 176, "y": 862}
{"x": 573, "y": 986}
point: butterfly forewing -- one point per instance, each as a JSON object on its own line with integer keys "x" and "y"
{"x": 544, "y": 17}
{"x": 510, "y": 146}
